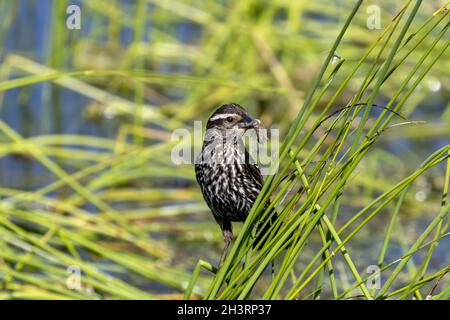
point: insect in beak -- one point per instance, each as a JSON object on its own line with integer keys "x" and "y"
{"x": 249, "y": 123}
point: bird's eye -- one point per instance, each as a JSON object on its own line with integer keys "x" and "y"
{"x": 230, "y": 119}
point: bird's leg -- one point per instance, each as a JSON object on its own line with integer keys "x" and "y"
{"x": 228, "y": 238}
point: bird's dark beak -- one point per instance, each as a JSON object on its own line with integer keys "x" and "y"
{"x": 249, "y": 123}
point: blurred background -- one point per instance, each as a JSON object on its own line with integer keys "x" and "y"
{"x": 137, "y": 70}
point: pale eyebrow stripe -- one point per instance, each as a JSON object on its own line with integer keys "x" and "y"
{"x": 223, "y": 116}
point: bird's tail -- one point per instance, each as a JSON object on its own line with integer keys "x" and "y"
{"x": 263, "y": 228}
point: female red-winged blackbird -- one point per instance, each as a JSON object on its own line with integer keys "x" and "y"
{"x": 229, "y": 180}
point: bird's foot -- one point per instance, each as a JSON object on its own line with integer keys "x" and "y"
{"x": 228, "y": 239}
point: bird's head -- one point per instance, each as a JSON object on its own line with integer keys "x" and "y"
{"x": 231, "y": 120}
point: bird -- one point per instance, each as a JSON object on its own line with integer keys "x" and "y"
{"x": 229, "y": 179}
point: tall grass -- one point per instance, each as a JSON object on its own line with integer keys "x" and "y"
{"x": 315, "y": 202}
{"x": 136, "y": 226}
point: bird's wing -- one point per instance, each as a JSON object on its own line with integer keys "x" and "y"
{"x": 255, "y": 173}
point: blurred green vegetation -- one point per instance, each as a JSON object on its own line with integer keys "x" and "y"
{"x": 95, "y": 187}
